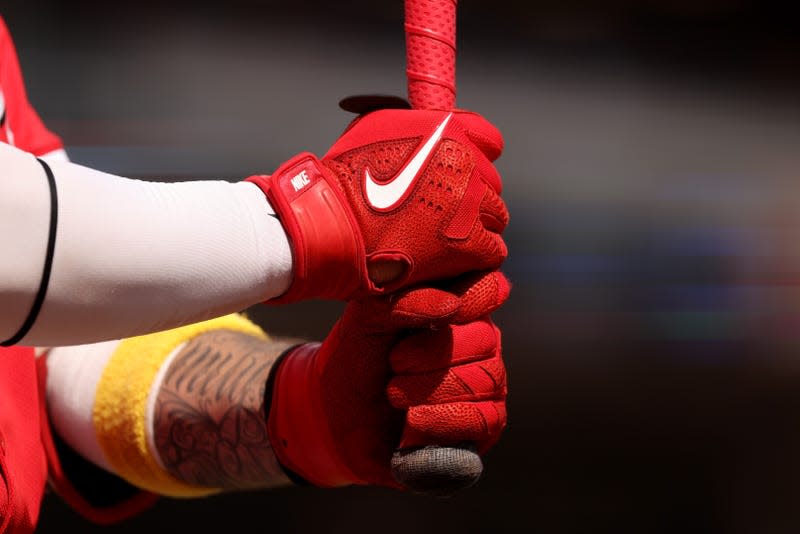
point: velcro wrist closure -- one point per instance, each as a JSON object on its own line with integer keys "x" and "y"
{"x": 327, "y": 249}
{"x": 297, "y": 425}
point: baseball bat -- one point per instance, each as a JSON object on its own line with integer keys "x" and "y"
{"x": 430, "y": 29}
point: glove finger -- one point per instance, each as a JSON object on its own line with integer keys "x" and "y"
{"x": 480, "y": 204}
{"x": 493, "y": 251}
{"x": 493, "y": 212}
{"x": 488, "y": 172}
{"x": 452, "y": 424}
{"x": 484, "y": 134}
{"x": 432, "y": 350}
{"x": 479, "y": 294}
{"x": 461, "y": 300}
{"x": 471, "y": 382}
{"x": 458, "y": 301}
{"x": 420, "y": 307}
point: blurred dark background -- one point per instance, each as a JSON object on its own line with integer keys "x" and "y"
{"x": 652, "y": 170}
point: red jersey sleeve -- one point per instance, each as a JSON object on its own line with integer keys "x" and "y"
{"x": 20, "y": 125}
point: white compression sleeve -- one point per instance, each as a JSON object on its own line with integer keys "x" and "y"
{"x": 73, "y": 374}
{"x": 131, "y": 256}
{"x": 24, "y": 220}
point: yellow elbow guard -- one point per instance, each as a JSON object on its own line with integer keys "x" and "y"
{"x": 120, "y": 408}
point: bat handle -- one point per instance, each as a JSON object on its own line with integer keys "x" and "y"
{"x": 430, "y": 27}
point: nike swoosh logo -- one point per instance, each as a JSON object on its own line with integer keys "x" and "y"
{"x": 382, "y": 196}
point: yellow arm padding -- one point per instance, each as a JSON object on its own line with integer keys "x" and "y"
{"x": 121, "y": 401}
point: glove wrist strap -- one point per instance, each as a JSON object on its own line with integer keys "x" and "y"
{"x": 297, "y": 424}
{"x": 328, "y": 258}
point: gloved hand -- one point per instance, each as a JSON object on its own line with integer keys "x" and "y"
{"x": 383, "y": 379}
{"x": 416, "y": 188}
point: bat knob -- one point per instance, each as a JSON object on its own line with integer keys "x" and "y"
{"x": 361, "y": 104}
{"x": 437, "y": 471}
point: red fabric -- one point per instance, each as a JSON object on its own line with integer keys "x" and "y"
{"x": 21, "y": 125}
{"x": 23, "y": 467}
{"x": 456, "y": 392}
{"x": 340, "y": 409}
{"x": 330, "y": 420}
{"x": 27, "y": 453}
{"x": 297, "y": 427}
{"x": 460, "y": 301}
{"x": 447, "y": 221}
{"x": 320, "y": 222}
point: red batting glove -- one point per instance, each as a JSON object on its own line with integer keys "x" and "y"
{"x": 452, "y": 384}
{"x": 415, "y": 187}
{"x": 341, "y": 408}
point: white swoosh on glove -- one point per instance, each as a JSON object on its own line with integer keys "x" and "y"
{"x": 382, "y": 196}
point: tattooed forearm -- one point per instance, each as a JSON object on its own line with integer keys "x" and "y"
{"x": 209, "y": 421}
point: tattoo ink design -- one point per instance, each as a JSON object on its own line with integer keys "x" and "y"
{"x": 209, "y": 421}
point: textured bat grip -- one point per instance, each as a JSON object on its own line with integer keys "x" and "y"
{"x": 431, "y": 53}
{"x": 431, "y": 70}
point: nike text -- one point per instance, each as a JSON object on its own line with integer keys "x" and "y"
{"x": 300, "y": 181}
